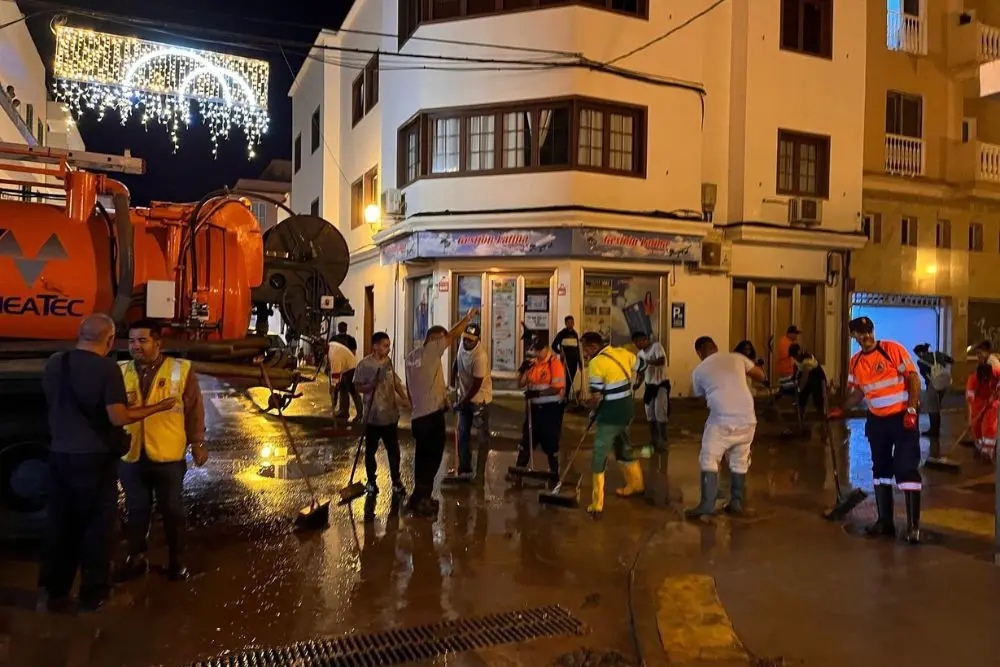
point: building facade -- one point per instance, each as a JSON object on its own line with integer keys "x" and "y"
{"x": 687, "y": 189}
{"x": 932, "y": 172}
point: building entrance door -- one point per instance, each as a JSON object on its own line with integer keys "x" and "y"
{"x": 512, "y": 303}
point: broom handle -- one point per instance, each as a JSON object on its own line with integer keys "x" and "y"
{"x": 531, "y": 435}
{"x": 364, "y": 427}
{"x": 828, "y": 433}
{"x": 291, "y": 440}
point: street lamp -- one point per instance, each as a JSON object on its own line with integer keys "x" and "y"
{"x": 373, "y": 217}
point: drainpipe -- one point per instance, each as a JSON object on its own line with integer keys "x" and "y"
{"x": 845, "y": 339}
{"x": 125, "y": 235}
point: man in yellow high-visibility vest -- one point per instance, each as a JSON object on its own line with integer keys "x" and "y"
{"x": 156, "y": 462}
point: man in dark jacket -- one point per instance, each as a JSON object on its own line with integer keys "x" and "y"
{"x": 347, "y": 391}
{"x": 566, "y": 344}
{"x": 935, "y": 369}
{"x": 88, "y": 405}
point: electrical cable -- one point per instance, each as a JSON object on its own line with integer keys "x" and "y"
{"x": 631, "y": 595}
{"x": 668, "y": 33}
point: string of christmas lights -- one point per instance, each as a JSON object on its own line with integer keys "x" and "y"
{"x": 97, "y": 71}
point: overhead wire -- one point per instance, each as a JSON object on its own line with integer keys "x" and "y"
{"x": 668, "y": 33}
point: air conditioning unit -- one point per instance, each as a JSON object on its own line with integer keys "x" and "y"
{"x": 716, "y": 256}
{"x": 805, "y": 211}
{"x": 393, "y": 203}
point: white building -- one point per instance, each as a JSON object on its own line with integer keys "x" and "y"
{"x": 538, "y": 192}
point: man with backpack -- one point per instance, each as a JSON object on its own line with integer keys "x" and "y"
{"x": 935, "y": 369}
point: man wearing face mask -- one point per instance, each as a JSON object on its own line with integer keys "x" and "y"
{"x": 88, "y": 405}
{"x": 475, "y": 392}
{"x": 883, "y": 374}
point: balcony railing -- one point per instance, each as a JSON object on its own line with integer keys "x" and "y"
{"x": 7, "y": 107}
{"x": 904, "y": 156}
{"x": 989, "y": 162}
{"x": 989, "y": 43}
{"x": 906, "y": 32}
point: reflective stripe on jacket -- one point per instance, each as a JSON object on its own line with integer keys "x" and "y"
{"x": 881, "y": 375}
{"x": 548, "y": 374}
{"x": 163, "y": 435}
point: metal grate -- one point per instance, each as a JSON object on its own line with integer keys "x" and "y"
{"x": 396, "y": 647}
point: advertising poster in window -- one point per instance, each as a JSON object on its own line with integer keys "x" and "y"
{"x": 470, "y": 295}
{"x": 505, "y": 329}
{"x": 606, "y": 297}
{"x": 536, "y": 307}
{"x": 423, "y": 313}
{"x": 984, "y": 323}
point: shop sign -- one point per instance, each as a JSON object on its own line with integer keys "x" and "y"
{"x": 443, "y": 286}
{"x": 614, "y": 244}
{"x": 397, "y": 251}
{"x": 677, "y": 316}
{"x": 509, "y": 243}
{"x": 562, "y": 289}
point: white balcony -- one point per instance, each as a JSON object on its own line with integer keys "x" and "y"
{"x": 973, "y": 163}
{"x": 907, "y": 33}
{"x": 904, "y": 156}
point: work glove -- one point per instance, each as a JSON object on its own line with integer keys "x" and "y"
{"x": 910, "y": 419}
{"x": 835, "y": 413}
{"x": 532, "y": 393}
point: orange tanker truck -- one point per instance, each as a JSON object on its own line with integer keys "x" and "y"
{"x": 71, "y": 245}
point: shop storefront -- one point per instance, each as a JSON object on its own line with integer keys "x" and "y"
{"x": 610, "y": 281}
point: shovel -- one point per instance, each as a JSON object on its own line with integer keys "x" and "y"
{"x": 316, "y": 514}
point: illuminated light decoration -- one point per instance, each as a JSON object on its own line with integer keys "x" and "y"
{"x": 98, "y": 71}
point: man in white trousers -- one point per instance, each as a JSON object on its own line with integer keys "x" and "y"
{"x": 721, "y": 378}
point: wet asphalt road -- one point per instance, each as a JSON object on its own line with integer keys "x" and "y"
{"x": 495, "y": 549}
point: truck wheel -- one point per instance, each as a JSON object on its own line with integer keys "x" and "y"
{"x": 24, "y": 476}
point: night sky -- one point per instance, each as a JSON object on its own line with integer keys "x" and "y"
{"x": 192, "y": 171}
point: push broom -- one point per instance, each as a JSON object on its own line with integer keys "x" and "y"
{"x": 945, "y": 464}
{"x": 520, "y": 474}
{"x": 317, "y": 513}
{"x": 846, "y": 502}
{"x": 453, "y": 476}
{"x": 556, "y": 497}
{"x": 355, "y": 490}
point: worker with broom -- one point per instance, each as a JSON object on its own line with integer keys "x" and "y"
{"x": 543, "y": 378}
{"x": 611, "y": 370}
{"x": 883, "y": 374}
{"x": 982, "y": 397}
{"x": 429, "y": 401}
{"x": 384, "y": 395}
{"x": 721, "y": 378}
{"x": 656, "y": 397}
{"x": 935, "y": 369}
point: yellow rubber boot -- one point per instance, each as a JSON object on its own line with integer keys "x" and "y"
{"x": 634, "y": 484}
{"x": 597, "y": 500}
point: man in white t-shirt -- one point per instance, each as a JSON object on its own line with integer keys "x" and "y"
{"x": 656, "y": 397}
{"x": 475, "y": 393}
{"x": 721, "y": 378}
{"x": 341, "y": 361}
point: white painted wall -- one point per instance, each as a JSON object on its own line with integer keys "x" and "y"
{"x": 308, "y": 91}
{"x": 755, "y": 88}
{"x": 21, "y": 67}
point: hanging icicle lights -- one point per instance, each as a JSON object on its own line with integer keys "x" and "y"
{"x": 98, "y": 71}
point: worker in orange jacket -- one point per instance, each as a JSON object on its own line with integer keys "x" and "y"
{"x": 982, "y": 397}
{"x": 883, "y": 374}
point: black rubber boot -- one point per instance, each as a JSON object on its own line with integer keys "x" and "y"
{"x": 709, "y": 492}
{"x": 884, "y": 527}
{"x": 912, "y": 500}
{"x": 934, "y": 429}
{"x": 737, "y": 505}
{"x": 554, "y": 464}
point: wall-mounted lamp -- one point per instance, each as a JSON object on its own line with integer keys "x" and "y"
{"x": 709, "y": 193}
{"x": 373, "y": 218}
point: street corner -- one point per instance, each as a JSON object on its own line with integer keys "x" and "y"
{"x": 693, "y": 624}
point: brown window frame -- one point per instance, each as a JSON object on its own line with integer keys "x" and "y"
{"x": 977, "y": 232}
{"x": 909, "y": 231}
{"x": 895, "y": 116}
{"x": 826, "y": 28}
{"x": 797, "y": 139}
{"x": 371, "y": 84}
{"x": 297, "y": 153}
{"x": 422, "y": 124}
{"x": 315, "y": 130}
{"x": 370, "y": 190}
{"x": 358, "y": 98}
{"x": 357, "y": 203}
{"x": 414, "y": 13}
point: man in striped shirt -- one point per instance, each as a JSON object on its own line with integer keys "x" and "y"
{"x": 611, "y": 371}
{"x": 883, "y": 374}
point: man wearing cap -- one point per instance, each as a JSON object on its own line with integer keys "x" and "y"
{"x": 883, "y": 374}
{"x": 475, "y": 392}
{"x": 785, "y": 366}
{"x": 543, "y": 377}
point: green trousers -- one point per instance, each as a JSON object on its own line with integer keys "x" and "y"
{"x": 607, "y": 438}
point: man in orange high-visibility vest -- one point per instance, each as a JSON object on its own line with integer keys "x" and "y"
{"x": 883, "y": 374}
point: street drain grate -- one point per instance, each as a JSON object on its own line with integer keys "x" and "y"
{"x": 396, "y": 647}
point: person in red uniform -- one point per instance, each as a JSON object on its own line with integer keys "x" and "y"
{"x": 982, "y": 399}
{"x": 883, "y": 374}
